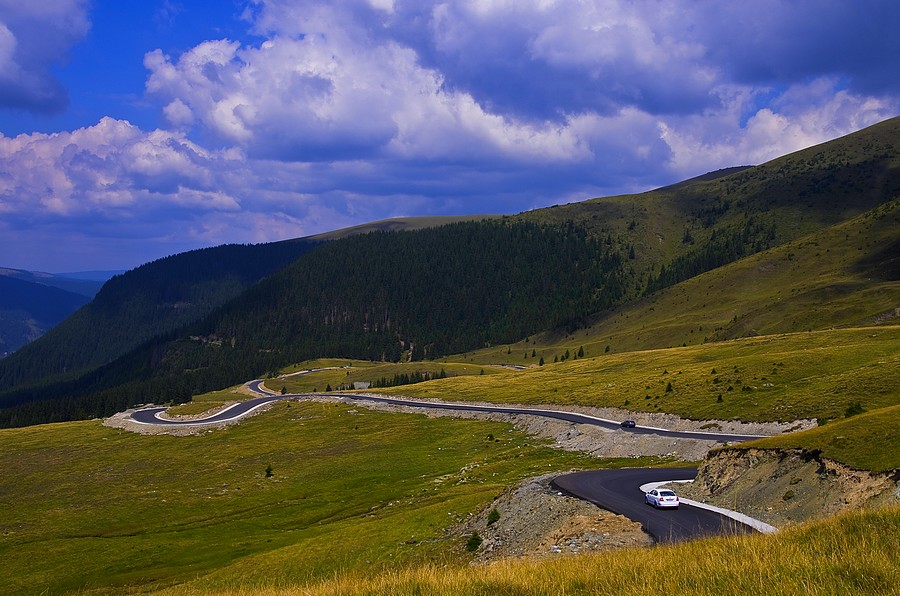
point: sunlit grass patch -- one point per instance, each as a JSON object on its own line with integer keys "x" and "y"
{"x": 315, "y": 488}
{"x": 867, "y": 441}
{"x": 850, "y": 554}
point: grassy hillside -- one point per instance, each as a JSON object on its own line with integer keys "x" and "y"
{"x": 789, "y": 197}
{"x": 867, "y": 441}
{"x": 814, "y": 559}
{"x": 778, "y": 377}
{"x": 845, "y": 275}
{"x": 85, "y": 507}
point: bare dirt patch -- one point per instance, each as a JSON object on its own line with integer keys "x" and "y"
{"x": 533, "y": 520}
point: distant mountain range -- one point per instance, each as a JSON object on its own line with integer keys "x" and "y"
{"x": 212, "y": 318}
{"x": 97, "y": 276}
{"x": 84, "y": 283}
{"x": 31, "y": 303}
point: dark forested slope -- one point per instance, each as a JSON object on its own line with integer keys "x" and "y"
{"x": 150, "y": 300}
{"x": 28, "y": 310}
{"x": 382, "y": 295}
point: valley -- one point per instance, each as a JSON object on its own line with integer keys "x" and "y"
{"x": 752, "y": 313}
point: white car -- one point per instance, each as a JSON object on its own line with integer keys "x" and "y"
{"x": 662, "y": 497}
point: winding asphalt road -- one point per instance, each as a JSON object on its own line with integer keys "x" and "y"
{"x": 620, "y": 491}
{"x": 616, "y": 490}
{"x": 150, "y": 415}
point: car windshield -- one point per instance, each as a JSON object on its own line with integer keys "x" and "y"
{"x": 666, "y": 493}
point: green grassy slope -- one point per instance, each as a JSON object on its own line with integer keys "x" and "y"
{"x": 795, "y": 195}
{"x": 850, "y": 554}
{"x": 868, "y": 441}
{"x": 845, "y": 275}
{"x": 88, "y": 507}
{"x": 779, "y": 377}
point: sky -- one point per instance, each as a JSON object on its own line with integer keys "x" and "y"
{"x": 130, "y": 131}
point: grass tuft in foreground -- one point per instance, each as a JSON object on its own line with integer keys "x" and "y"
{"x": 850, "y": 554}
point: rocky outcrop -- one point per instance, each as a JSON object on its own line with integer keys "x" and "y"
{"x": 782, "y": 487}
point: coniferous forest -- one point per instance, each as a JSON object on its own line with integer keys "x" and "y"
{"x": 379, "y": 296}
{"x": 153, "y": 299}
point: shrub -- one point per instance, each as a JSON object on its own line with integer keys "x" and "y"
{"x": 854, "y": 409}
{"x": 493, "y": 517}
{"x": 473, "y": 542}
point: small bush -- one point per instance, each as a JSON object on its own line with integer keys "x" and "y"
{"x": 269, "y": 472}
{"x": 473, "y": 542}
{"x": 854, "y": 409}
{"x": 493, "y": 517}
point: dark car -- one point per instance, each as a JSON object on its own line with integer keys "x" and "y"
{"x": 628, "y": 424}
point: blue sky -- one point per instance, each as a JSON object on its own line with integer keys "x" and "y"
{"x": 131, "y": 131}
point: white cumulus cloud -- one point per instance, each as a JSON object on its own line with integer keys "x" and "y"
{"x": 329, "y": 114}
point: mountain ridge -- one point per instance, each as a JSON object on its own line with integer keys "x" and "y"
{"x": 652, "y": 241}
